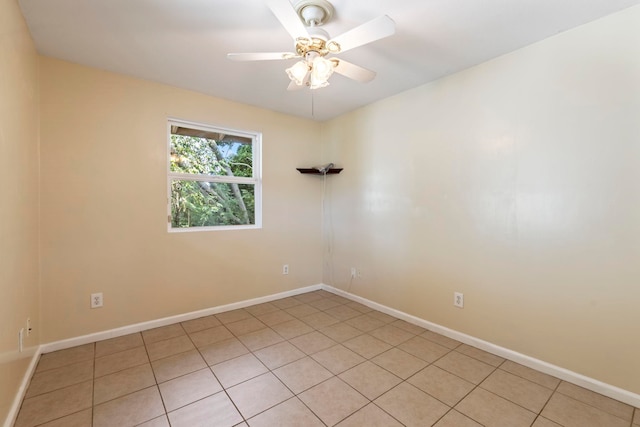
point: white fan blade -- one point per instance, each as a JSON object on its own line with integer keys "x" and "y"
{"x": 288, "y": 17}
{"x": 368, "y": 32}
{"x": 353, "y": 71}
{"x": 260, "y": 56}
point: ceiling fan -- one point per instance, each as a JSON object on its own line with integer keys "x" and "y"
{"x": 313, "y": 44}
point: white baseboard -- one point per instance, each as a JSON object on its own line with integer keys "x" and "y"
{"x": 547, "y": 368}
{"x": 143, "y": 326}
{"x": 17, "y": 400}
{"x": 125, "y": 330}
{"x": 594, "y": 385}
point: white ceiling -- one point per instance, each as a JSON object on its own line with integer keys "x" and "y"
{"x": 184, "y": 42}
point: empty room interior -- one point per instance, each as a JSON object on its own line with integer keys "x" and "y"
{"x": 447, "y": 234}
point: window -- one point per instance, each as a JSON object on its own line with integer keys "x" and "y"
{"x": 214, "y": 178}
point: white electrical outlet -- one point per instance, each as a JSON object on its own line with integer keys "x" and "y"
{"x": 458, "y": 299}
{"x": 285, "y": 269}
{"x": 354, "y": 272}
{"x": 96, "y": 300}
{"x": 29, "y": 329}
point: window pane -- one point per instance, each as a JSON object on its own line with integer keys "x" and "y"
{"x": 210, "y": 153}
{"x": 203, "y": 204}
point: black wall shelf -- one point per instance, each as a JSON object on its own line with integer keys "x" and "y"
{"x": 314, "y": 171}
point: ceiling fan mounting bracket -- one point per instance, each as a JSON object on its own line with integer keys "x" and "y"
{"x": 314, "y": 13}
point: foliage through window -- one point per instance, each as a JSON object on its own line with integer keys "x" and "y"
{"x": 214, "y": 177}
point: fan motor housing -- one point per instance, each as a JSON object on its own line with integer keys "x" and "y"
{"x": 314, "y": 12}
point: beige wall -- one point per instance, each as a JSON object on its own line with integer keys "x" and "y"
{"x": 514, "y": 182}
{"x": 18, "y": 198}
{"x": 104, "y": 195}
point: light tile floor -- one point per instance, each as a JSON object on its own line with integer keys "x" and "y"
{"x": 316, "y": 359}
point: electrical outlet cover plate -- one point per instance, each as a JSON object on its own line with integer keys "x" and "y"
{"x": 96, "y": 300}
{"x": 285, "y": 269}
{"x": 458, "y": 299}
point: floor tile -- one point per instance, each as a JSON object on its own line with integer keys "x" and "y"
{"x": 333, "y": 400}
{"x": 312, "y": 342}
{"x": 260, "y": 339}
{"x": 481, "y": 355}
{"x": 424, "y": 349}
{"x": 79, "y": 419}
{"x": 275, "y": 317}
{"x": 399, "y": 363}
{"x": 263, "y": 308}
{"x": 222, "y": 351}
{"x": 212, "y": 411}
{"x": 465, "y": 367}
{"x": 367, "y": 346}
{"x": 302, "y": 374}
{"x": 258, "y": 394}
{"x": 55, "y": 404}
{"x": 200, "y": 324}
{"x": 325, "y": 304}
{"x": 596, "y": 400}
{"x": 569, "y": 412}
{"x": 308, "y": 297}
{"x": 210, "y": 336}
{"x": 440, "y": 339}
{"x": 370, "y": 416}
{"x": 365, "y": 323}
{"x": 370, "y": 380}
{"x": 302, "y": 310}
{"x": 543, "y": 422}
{"x": 169, "y": 347}
{"x": 233, "y": 316}
{"x": 162, "y": 421}
{"x": 163, "y": 333}
{"x": 65, "y": 357}
{"x": 454, "y": 418}
{"x": 279, "y": 355}
{"x": 442, "y": 385}
{"x": 189, "y": 388}
{"x": 285, "y": 303}
{"x": 341, "y": 332}
{"x": 491, "y": 410}
{"x": 118, "y": 361}
{"x": 175, "y": 366}
{"x": 530, "y": 374}
{"x": 115, "y": 345}
{"x": 337, "y": 359}
{"x": 340, "y": 299}
{"x": 291, "y": 413}
{"x": 292, "y": 329}
{"x": 123, "y": 382}
{"x": 53, "y": 379}
{"x": 342, "y": 312}
{"x": 391, "y": 335}
{"x": 359, "y": 307}
{"x": 319, "y": 320}
{"x": 411, "y": 406}
{"x": 409, "y": 327}
{"x": 129, "y": 410}
{"x": 517, "y": 390}
{"x": 383, "y": 317}
{"x": 237, "y": 370}
{"x": 245, "y": 326}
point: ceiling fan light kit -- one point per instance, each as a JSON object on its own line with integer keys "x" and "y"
{"x": 313, "y": 44}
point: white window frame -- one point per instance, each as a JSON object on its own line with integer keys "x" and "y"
{"x": 256, "y": 180}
